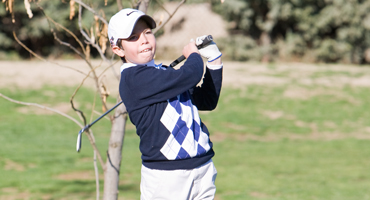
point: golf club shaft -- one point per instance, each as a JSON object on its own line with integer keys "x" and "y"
{"x": 108, "y": 111}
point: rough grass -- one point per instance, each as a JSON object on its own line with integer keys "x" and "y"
{"x": 288, "y": 135}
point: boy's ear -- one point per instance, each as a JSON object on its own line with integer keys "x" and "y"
{"x": 120, "y": 52}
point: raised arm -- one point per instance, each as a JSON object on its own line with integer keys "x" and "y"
{"x": 206, "y": 96}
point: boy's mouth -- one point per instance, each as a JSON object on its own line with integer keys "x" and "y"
{"x": 145, "y": 50}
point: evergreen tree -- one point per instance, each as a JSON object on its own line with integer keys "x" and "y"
{"x": 318, "y": 30}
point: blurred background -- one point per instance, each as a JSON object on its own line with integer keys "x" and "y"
{"x": 292, "y": 120}
{"x": 329, "y": 31}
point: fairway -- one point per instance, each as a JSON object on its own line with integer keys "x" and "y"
{"x": 280, "y": 132}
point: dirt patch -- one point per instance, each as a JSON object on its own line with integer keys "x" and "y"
{"x": 13, "y": 194}
{"x": 35, "y": 74}
{"x": 305, "y": 94}
{"x": 258, "y": 195}
{"x": 11, "y": 165}
{"x": 82, "y": 175}
{"x": 10, "y": 193}
{"x": 273, "y": 114}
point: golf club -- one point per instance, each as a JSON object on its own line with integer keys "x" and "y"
{"x": 205, "y": 42}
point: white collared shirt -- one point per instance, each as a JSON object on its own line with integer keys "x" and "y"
{"x": 159, "y": 66}
{"x": 128, "y": 65}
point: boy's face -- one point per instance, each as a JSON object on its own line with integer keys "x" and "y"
{"x": 140, "y": 47}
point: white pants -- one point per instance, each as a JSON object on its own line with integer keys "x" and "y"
{"x": 193, "y": 184}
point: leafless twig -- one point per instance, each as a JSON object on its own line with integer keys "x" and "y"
{"x": 89, "y": 134}
{"x": 96, "y": 177}
{"x": 82, "y": 55}
{"x": 43, "y": 107}
{"x": 91, "y": 10}
{"x": 39, "y": 57}
{"x": 170, "y": 15}
{"x": 87, "y": 37}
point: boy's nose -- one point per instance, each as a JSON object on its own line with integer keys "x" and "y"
{"x": 143, "y": 39}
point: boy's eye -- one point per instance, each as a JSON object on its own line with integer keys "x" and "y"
{"x": 132, "y": 38}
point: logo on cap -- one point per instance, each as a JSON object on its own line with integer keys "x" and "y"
{"x": 111, "y": 41}
{"x": 128, "y": 14}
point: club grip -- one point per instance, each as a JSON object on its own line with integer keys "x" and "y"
{"x": 177, "y": 61}
{"x": 206, "y": 41}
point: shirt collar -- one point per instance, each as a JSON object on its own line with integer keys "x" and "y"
{"x": 128, "y": 65}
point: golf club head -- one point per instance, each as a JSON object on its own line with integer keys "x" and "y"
{"x": 78, "y": 145}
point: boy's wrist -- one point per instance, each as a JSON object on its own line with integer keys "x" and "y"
{"x": 218, "y": 61}
{"x": 216, "y": 64}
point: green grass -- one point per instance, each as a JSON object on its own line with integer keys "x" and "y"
{"x": 268, "y": 144}
{"x": 293, "y": 169}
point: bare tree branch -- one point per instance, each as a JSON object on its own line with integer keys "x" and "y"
{"x": 87, "y": 37}
{"x": 92, "y": 43}
{"x": 119, "y": 4}
{"x": 96, "y": 177}
{"x": 39, "y": 57}
{"x": 67, "y": 45}
{"x": 65, "y": 29}
{"x": 170, "y": 16}
{"x": 97, "y": 47}
{"x": 143, "y": 5}
{"x": 90, "y": 136}
{"x": 92, "y": 11}
{"x": 160, "y": 3}
{"x": 110, "y": 67}
{"x": 43, "y": 107}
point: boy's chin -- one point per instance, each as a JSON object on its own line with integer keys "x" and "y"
{"x": 146, "y": 60}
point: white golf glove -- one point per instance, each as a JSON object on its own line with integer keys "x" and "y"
{"x": 211, "y": 51}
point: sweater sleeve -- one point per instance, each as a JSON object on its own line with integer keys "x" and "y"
{"x": 141, "y": 86}
{"x": 206, "y": 96}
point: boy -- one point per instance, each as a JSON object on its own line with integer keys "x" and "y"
{"x": 163, "y": 104}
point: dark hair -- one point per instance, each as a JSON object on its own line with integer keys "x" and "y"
{"x": 119, "y": 44}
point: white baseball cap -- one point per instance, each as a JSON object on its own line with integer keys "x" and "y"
{"x": 122, "y": 24}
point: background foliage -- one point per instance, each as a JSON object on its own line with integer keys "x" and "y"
{"x": 314, "y": 30}
{"x": 329, "y": 31}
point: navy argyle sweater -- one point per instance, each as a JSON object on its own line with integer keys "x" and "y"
{"x": 163, "y": 104}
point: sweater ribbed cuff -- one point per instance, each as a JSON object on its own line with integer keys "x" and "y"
{"x": 214, "y": 67}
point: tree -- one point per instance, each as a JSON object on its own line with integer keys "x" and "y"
{"x": 319, "y": 30}
{"x": 87, "y": 32}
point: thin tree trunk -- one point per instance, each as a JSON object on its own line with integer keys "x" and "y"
{"x": 143, "y": 5}
{"x": 266, "y": 46}
{"x": 114, "y": 154}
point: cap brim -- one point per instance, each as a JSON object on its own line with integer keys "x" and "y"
{"x": 150, "y": 21}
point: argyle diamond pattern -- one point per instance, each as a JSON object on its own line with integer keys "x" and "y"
{"x": 186, "y": 140}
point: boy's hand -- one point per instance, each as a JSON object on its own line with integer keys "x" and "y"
{"x": 211, "y": 51}
{"x": 189, "y": 49}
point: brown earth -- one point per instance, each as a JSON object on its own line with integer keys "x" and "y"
{"x": 35, "y": 74}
